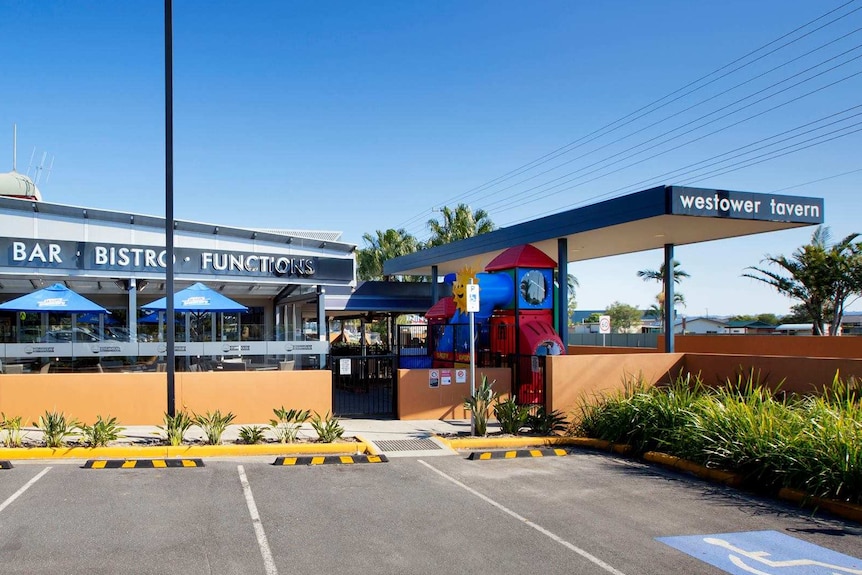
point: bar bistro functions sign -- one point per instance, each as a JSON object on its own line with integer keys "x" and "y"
{"x": 745, "y": 205}
{"x": 61, "y": 255}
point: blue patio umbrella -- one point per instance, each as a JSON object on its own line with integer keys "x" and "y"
{"x": 93, "y": 317}
{"x": 197, "y": 297}
{"x": 55, "y": 298}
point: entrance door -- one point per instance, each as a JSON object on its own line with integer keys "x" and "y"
{"x": 363, "y": 385}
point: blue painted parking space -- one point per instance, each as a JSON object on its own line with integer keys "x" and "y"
{"x": 764, "y": 553}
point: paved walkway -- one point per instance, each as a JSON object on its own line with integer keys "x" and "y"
{"x": 395, "y": 438}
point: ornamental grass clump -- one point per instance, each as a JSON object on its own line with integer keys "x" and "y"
{"x": 512, "y": 417}
{"x": 12, "y": 427}
{"x": 479, "y": 405}
{"x": 56, "y": 428}
{"x": 287, "y": 423}
{"x": 252, "y": 434}
{"x": 547, "y": 423}
{"x": 646, "y": 417}
{"x": 176, "y": 426}
{"x": 213, "y": 425}
{"x": 772, "y": 439}
{"x": 828, "y": 453}
{"x": 328, "y": 428}
{"x": 101, "y": 432}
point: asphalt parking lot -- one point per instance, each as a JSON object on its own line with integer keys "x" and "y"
{"x": 586, "y": 512}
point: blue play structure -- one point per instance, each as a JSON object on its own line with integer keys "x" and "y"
{"x": 497, "y": 290}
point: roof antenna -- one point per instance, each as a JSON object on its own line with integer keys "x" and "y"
{"x": 14, "y": 145}
{"x": 30, "y": 167}
{"x": 40, "y": 169}
{"x": 50, "y": 167}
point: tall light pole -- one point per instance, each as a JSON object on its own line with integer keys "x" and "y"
{"x": 169, "y": 202}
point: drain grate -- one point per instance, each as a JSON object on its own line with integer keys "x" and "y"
{"x": 406, "y": 445}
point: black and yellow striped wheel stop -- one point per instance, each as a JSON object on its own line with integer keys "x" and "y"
{"x": 5, "y": 465}
{"x": 142, "y": 463}
{"x": 517, "y": 453}
{"x": 330, "y": 459}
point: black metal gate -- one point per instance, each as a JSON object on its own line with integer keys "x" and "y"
{"x": 364, "y": 385}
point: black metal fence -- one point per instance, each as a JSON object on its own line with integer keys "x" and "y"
{"x": 364, "y": 385}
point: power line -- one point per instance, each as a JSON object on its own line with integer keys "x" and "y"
{"x": 817, "y": 181}
{"x": 521, "y": 201}
{"x": 677, "y": 114}
{"x": 598, "y": 133}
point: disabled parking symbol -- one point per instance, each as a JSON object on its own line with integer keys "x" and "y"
{"x": 765, "y": 553}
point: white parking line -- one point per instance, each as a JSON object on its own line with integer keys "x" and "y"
{"x": 539, "y": 528}
{"x": 268, "y": 561}
{"x": 26, "y": 486}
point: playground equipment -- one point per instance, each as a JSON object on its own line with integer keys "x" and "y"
{"x": 514, "y": 324}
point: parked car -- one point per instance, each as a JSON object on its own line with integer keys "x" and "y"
{"x": 80, "y": 335}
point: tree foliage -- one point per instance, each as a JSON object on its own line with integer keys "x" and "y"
{"x": 623, "y": 316}
{"x": 820, "y": 275}
{"x": 572, "y": 304}
{"x": 381, "y": 246}
{"x": 458, "y": 224}
{"x": 657, "y": 309}
{"x": 769, "y": 318}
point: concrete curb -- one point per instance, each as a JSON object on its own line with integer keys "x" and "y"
{"x": 674, "y": 462}
{"x": 370, "y": 448}
{"x": 505, "y": 442}
{"x": 181, "y": 451}
{"x": 840, "y": 508}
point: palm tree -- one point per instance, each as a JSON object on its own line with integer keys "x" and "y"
{"x": 821, "y": 276}
{"x": 658, "y": 276}
{"x": 381, "y": 247}
{"x": 458, "y": 224}
{"x": 572, "y": 304}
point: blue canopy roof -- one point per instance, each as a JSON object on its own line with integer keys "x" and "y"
{"x": 197, "y": 297}
{"x": 56, "y": 298}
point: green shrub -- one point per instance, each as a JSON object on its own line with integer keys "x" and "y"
{"x": 287, "y": 423}
{"x": 479, "y": 405}
{"x": 56, "y": 428}
{"x": 251, "y": 434}
{"x": 328, "y": 428}
{"x": 213, "y": 424}
{"x": 101, "y": 432}
{"x": 512, "y": 417}
{"x": 546, "y": 423}
{"x": 772, "y": 439}
{"x": 12, "y": 427}
{"x": 176, "y": 426}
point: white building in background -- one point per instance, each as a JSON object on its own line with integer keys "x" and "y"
{"x": 699, "y": 325}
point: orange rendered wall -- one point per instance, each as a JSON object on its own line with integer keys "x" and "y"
{"x": 133, "y": 398}
{"x": 793, "y": 374}
{"x": 141, "y": 398}
{"x": 600, "y": 349}
{"x": 785, "y": 345}
{"x": 417, "y": 400}
{"x": 252, "y": 396}
{"x": 573, "y": 378}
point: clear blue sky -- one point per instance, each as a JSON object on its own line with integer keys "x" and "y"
{"x": 359, "y": 116}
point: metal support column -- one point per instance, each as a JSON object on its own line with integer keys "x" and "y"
{"x": 435, "y": 288}
{"x": 668, "y": 298}
{"x": 322, "y": 324}
{"x": 133, "y": 310}
{"x": 563, "y": 291}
